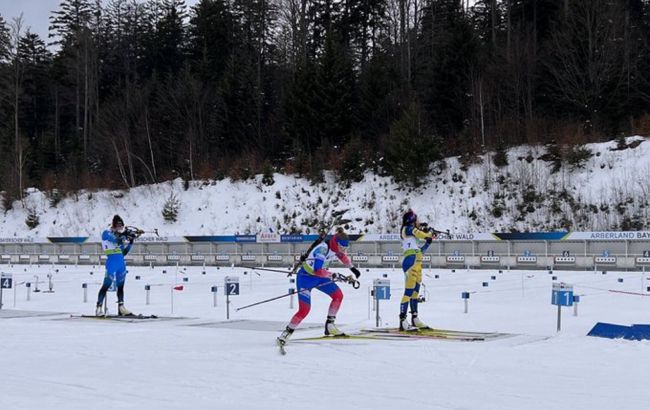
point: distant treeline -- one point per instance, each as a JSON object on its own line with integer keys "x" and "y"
{"x": 125, "y": 92}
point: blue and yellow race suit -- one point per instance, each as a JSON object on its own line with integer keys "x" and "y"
{"x": 412, "y": 265}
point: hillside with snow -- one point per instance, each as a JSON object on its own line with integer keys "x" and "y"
{"x": 606, "y": 191}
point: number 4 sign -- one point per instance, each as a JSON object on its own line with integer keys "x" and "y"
{"x": 6, "y": 281}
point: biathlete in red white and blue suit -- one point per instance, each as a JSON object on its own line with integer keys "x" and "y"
{"x": 313, "y": 274}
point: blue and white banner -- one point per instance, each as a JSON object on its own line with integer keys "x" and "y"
{"x": 245, "y": 238}
{"x": 609, "y": 236}
{"x": 292, "y": 238}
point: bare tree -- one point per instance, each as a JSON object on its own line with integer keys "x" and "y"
{"x": 585, "y": 56}
{"x": 17, "y": 83}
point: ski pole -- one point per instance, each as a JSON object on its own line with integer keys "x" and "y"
{"x": 355, "y": 284}
{"x": 272, "y": 270}
{"x": 267, "y": 300}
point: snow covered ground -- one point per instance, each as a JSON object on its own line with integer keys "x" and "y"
{"x": 200, "y": 361}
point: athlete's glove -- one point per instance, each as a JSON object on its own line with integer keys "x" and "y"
{"x": 119, "y": 238}
{"x": 356, "y": 272}
{"x": 429, "y": 240}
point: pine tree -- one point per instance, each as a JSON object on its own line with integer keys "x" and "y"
{"x": 447, "y": 52}
{"x": 70, "y": 28}
{"x": 584, "y": 60}
{"x": 170, "y": 209}
{"x": 335, "y": 85}
{"x": 35, "y": 110}
{"x": 4, "y": 40}
{"x": 411, "y": 147}
{"x": 165, "y": 43}
{"x": 32, "y": 220}
{"x": 211, "y": 37}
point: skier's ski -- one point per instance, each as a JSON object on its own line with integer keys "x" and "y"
{"x": 421, "y": 335}
{"x": 131, "y": 317}
{"x": 438, "y": 334}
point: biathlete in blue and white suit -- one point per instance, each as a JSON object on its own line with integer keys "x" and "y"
{"x": 116, "y": 246}
{"x": 313, "y": 274}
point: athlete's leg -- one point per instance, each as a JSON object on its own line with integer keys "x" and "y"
{"x": 334, "y": 292}
{"x": 416, "y": 272}
{"x": 305, "y": 284}
{"x": 408, "y": 266}
{"x": 120, "y": 279}
{"x": 108, "y": 280}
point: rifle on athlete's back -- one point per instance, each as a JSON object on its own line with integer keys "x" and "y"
{"x": 321, "y": 237}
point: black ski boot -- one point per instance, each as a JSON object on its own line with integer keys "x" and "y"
{"x": 330, "y": 327}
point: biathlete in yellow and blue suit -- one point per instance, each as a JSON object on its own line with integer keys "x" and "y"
{"x": 412, "y": 239}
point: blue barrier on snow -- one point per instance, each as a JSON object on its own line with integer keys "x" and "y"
{"x": 612, "y": 331}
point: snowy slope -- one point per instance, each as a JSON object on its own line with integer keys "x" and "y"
{"x": 609, "y": 193}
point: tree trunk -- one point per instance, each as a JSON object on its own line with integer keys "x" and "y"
{"x": 57, "y": 136}
{"x": 493, "y": 19}
{"x": 509, "y": 32}
{"x": 402, "y": 39}
{"x": 146, "y": 123}
{"x": 86, "y": 86}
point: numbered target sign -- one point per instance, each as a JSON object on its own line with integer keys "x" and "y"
{"x": 382, "y": 289}
{"x": 6, "y": 280}
{"x": 231, "y": 285}
{"x": 562, "y": 294}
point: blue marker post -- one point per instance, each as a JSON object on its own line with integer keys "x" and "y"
{"x": 147, "y": 290}
{"x": 561, "y": 295}
{"x": 381, "y": 291}
{"x": 576, "y": 300}
{"x": 465, "y": 297}
{"x": 214, "y": 290}
{"x": 85, "y": 288}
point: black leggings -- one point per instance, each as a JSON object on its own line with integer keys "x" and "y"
{"x": 104, "y": 289}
